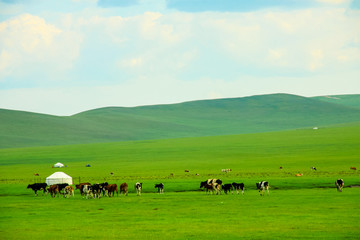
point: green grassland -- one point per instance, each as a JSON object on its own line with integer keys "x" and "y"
{"x": 307, "y": 207}
{"x": 285, "y": 214}
{"x": 264, "y": 113}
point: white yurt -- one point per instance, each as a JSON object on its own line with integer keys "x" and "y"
{"x": 59, "y": 177}
{"x": 58, "y": 165}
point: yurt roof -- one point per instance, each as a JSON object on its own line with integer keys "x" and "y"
{"x": 59, "y": 175}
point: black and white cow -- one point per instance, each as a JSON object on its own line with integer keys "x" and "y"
{"x": 216, "y": 183}
{"x": 227, "y": 188}
{"x": 97, "y": 189}
{"x": 339, "y": 184}
{"x": 138, "y": 187}
{"x": 160, "y": 188}
{"x": 313, "y": 168}
{"x": 103, "y": 185}
{"x": 239, "y": 186}
{"x": 38, "y": 187}
{"x": 262, "y": 186}
{"x": 87, "y": 191}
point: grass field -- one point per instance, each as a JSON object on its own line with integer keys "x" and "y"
{"x": 307, "y": 207}
{"x": 285, "y": 214}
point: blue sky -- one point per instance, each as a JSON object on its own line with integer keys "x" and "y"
{"x": 64, "y": 57}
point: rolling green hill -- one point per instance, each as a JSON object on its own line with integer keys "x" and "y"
{"x": 264, "y": 113}
{"x": 351, "y": 100}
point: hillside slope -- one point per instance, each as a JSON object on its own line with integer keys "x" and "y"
{"x": 351, "y": 100}
{"x": 254, "y": 114}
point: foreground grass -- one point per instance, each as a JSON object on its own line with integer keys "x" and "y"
{"x": 285, "y": 214}
{"x": 307, "y": 207}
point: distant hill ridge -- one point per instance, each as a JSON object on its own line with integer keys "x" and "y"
{"x": 262, "y": 113}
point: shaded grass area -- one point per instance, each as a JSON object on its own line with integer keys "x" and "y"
{"x": 285, "y": 214}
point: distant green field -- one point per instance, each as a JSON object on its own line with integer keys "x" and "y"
{"x": 307, "y": 207}
{"x": 332, "y": 150}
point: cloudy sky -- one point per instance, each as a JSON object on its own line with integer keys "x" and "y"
{"x": 64, "y": 57}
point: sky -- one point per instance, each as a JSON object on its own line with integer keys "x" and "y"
{"x": 65, "y": 57}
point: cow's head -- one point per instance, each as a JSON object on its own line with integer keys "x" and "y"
{"x": 203, "y": 184}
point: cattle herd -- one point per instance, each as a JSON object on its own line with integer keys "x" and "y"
{"x": 97, "y": 190}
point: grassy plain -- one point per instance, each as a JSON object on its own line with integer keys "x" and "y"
{"x": 307, "y": 207}
{"x": 285, "y": 214}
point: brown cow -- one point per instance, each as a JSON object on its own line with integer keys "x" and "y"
{"x": 111, "y": 188}
{"x": 298, "y": 174}
{"x": 124, "y": 188}
{"x": 68, "y": 190}
{"x": 209, "y": 187}
{"x": 81, "y": 187}
{"x": 353, "y": 168}
{"x": 53, "y": 190}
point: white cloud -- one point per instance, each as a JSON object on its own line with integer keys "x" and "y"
{"x": 32, "y": 45}
{"x": 169, "y": 57}
{"x": 334, "y": 1}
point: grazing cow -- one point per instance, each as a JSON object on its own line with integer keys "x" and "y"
{"x": 263, "y": 185}
{"x": 111, "y": 188}
{"x": 160, "y": 188}
{"x": 103, "y": 185}
{"x": 62, "y": 186}
{"x": 81, "y": 186}
{"x": 216, "y": 183}
{"x": 138, "y": 187}
{"x": 36, "y": 174}
{"x": 227, "y": 188}
{"x": 187, "y": 170}
{"x": 38, "y": 187}
{"x": 353, "y": 168}
{"x": 68, "y": 190}
{"x": 124, "y": 188}
{"x": 239, "y": 186}
{"x": 339, "y": 184}
{"x": 208, "y": 187}
{"x": 87, "y": 190}
{"x": 97, "y": 189}
{"x": 313, "y": 168}
{"x": 53, "y": 190}
{"x": 281, "y": 167}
